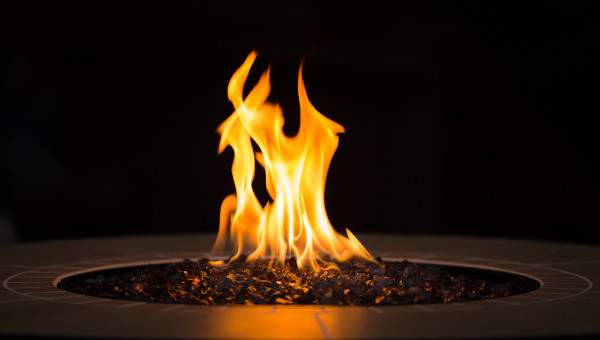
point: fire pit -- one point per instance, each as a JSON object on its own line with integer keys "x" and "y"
{"x": 286, "y": 251}
{"x": 566, "y": 304}
{"x": 352, "y": 283}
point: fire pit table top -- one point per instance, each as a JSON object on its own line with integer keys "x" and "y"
{"x": 567, "y": 304}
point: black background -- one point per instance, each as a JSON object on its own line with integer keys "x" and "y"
{"x": 476, "y": 119}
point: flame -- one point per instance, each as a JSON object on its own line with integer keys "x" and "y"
{"x": 295, "y": 222}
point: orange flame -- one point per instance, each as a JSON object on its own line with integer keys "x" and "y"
{"x": 295, "y": 222}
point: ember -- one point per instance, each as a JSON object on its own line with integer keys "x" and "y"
{"x": 250, "y": 283}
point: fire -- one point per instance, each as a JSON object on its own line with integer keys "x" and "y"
{"x": 295, "y": 222}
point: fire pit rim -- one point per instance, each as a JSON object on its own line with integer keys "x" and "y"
{"x": 419, "y": 261}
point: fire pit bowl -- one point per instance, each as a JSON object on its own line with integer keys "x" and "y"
{"x": 566, "y": 303}
{"x": 351, "y": 283}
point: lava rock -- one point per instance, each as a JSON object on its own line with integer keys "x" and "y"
{"x": 254, "y": 283}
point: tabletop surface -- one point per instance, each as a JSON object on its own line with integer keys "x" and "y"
{"x": 567, "y": 304}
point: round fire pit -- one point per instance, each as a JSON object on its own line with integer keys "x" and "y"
{"x": 351, "y": 283}
{"x": 566, "y": 303}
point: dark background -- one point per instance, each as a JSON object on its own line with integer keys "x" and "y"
{"x": 476, "y": 119}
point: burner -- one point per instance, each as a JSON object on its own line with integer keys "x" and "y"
{"x": 566, "y": 304}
